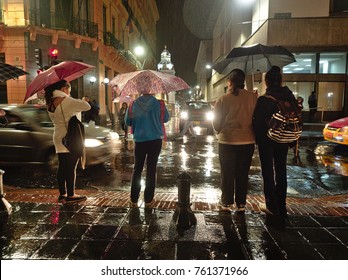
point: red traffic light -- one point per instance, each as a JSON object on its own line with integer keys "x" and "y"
{"x": 54, "y": 53}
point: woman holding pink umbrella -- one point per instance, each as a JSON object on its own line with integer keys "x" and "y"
{"x": 61, "y": 107}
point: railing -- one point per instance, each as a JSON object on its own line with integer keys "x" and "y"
{"x": 111, "y": 40}
{"x": 72, "y": 24}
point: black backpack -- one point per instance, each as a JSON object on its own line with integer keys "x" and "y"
{"x": 74, "y": 140}
{"x": 285, "y": 125}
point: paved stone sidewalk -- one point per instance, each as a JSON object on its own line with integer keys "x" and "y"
{"x": 320, "y": 206}
{"x": 104, "y": 228}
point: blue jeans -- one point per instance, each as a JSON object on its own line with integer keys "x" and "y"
{"x": 273, "y": 165}
{"x": 235, "y": 161}
{"x": 149, "y": 151}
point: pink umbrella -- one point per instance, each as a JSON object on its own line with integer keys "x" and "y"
{"x": 66, "y": 70}
{"x": 148, "y": 81}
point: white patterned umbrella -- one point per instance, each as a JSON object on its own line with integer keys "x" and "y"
{"x": 147, "y": 81}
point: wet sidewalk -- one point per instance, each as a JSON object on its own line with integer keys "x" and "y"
{"x": 103, "y": 227}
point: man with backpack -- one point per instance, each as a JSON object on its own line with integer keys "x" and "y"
{"x": 277, "y": 126}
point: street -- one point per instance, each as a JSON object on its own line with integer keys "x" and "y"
{"x": 321, "y": 169}
{"x": 104, "y": 227}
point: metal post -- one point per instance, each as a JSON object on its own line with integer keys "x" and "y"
{"x": 5, "y": 207}
{"x": 183, "y": 216}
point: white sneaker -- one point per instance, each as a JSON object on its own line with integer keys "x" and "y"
{"x": 225, "y": 207}
{"x": 264, "y": 209}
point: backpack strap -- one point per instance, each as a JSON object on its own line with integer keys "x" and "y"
{"x": 271, "y": 97}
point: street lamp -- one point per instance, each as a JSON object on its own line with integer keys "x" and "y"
{"x": 139, "y": 51}
{"x": 197, "y": 91}
{"x": 106, "y": 81}
{"x": 92, "y": 80}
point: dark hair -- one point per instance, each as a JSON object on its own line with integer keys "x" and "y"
{"x": 237, "y": 77}
{"x": 51, "y": 88}
{"x": 273, "y": 76}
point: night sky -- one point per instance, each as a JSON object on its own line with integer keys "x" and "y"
{"x": 180, "y": 42}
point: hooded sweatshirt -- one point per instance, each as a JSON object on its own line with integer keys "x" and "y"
{"x": 264, "y": 110}
{"x": 145, "y": 119}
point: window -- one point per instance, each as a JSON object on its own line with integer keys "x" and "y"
{"x": 329, "y": 63}
{"x": 113, "y": 26}
{"x": 338, "y": 7}
{"x": 332, "y": 63}
{"x": 330, "y": 96}
{"x": 302, "y": 89}
{"x": 305, "y": 64}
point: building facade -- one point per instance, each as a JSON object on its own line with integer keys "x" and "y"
{"x": 315, "y": 31}
{"x": 102, "y": 33}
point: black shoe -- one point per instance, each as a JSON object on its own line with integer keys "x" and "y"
{"x": 61, "y": 198}
{"x": 77, "y": 198}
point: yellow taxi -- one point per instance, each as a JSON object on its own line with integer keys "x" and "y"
{"x": 337, "y": 131}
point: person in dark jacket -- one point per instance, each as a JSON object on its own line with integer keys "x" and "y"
{"x": 121, "y": 115}
{"x": 273, "y": 155}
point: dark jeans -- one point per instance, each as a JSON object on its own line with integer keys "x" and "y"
{"x": 273, "y": 165}
{"x": 149, "y": 150}
{"x": 124, "y": 128}
{"x": 66, "y": 173}
{"x": 235, "y": 161}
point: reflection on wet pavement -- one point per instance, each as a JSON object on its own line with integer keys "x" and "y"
{"x": 92, "y": 232}
{"x": 321, "y": 169}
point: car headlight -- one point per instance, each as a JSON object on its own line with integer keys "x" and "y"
{"x": 114, "y": 135}
{"x": 344, "y": 129}
{"x": 91, "y": 143}
{"x": 210, "y": 116}
{"x": 184, "y": 115}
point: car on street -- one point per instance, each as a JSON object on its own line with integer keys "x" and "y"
{"x": 200, "y": 113}
{"x": 26, "y": 134}
{"x": 337, "y": 131}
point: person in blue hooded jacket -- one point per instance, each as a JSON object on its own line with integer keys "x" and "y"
{"x": 146, "y": 116}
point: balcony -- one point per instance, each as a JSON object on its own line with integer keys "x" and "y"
{"x": 72, "y": 24}
{"x": 111, "y": 40}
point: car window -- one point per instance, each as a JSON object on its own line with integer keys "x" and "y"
{"x": 10, "y": 120}
{"x": 3, "y": 120}
{"x": 39, "y": 116}
{"x": 199, "y": 106}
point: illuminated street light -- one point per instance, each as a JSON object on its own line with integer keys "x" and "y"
{"x": 92, "y": 80}
{"x": 139, "y": 50}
